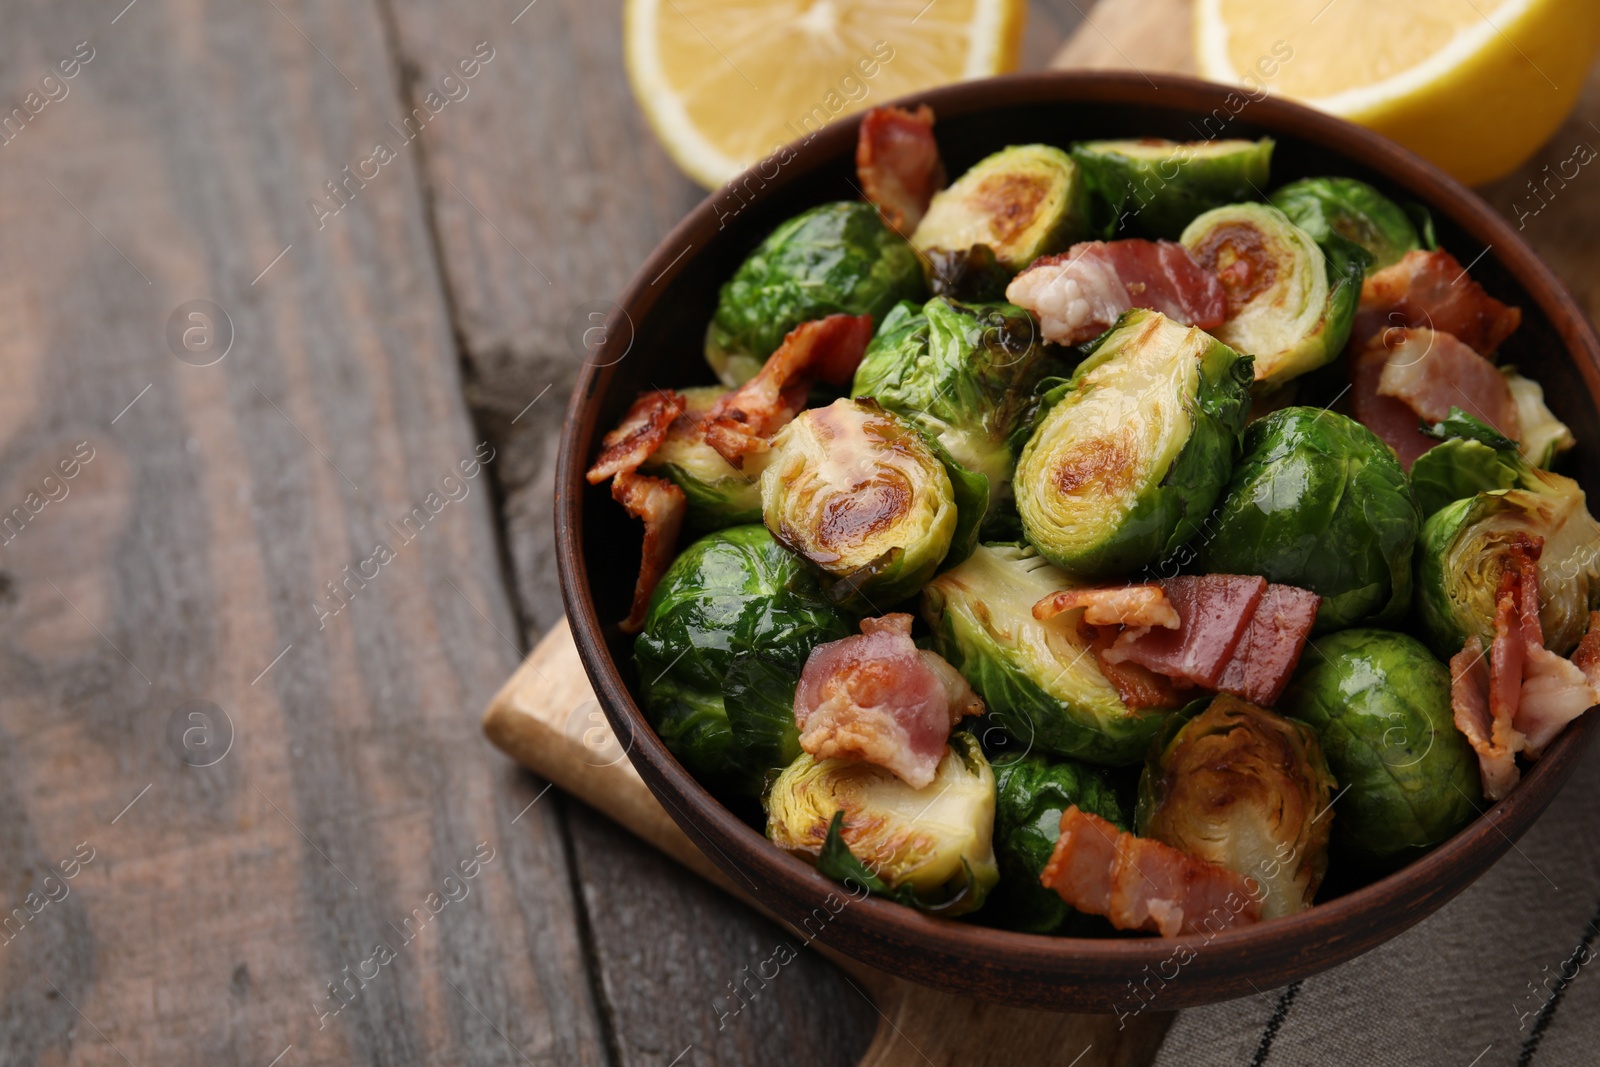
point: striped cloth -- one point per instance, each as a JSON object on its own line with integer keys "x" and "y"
{"x": 1497, "y": 978}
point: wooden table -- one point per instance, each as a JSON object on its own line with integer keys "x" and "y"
{"x": 245, "y": 645}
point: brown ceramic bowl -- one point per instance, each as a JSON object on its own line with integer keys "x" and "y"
{"x": 655, "y": 338}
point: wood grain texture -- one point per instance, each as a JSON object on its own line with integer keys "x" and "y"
{"x": 188, "y": 555}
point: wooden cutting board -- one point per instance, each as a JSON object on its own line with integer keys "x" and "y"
{"x": 546, "y": 716}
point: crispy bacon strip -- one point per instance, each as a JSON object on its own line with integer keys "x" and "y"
{"x": 1122, "y": 605}
{"x": 1432, "y": 290}
{"x": 827, "y": 349}
{"x": 1142, "y": 884}
{"x": 1495, "y": 740}
{"x": 1216, "y": 609}
{"x": 1138, "y": 687}
{"x": 661, "y": 505}
{"x": 1586, "y": 657}
{"x": 877, "y": 698}
{"x": 1267, "y": 654}
{"x": 1078, "y": 294}
{"x": 640, "y": 433}
{"x": 1405, "y": 376}
{"x": 898, "y": 164}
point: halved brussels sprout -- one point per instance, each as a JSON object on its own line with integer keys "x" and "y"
{"x": 718, "y": 494}
{"x": 1031, "y": 792}
{"x": 731, "y": 621}
{"x": 1353, "y": 210}
{"x": 1319, "y": 502}
{"x": 1156, "y": 186}
{"x": 1136, "y": 449}
{"x": 1465, "y": 546}
{"x": 862, "y": 496}
{"x": 1290, "y": 303}
{"x": 1381, "y": 706}
{"x": 1246, "y": 789}
{"x": 1023, "y": 202}
{"x": 1038, "y": 679}
{"x": 836, "y": 258}
{"x": 1544, "y": 437}
{"x": 964, "y": 375}
{"x": 936, "y": 842}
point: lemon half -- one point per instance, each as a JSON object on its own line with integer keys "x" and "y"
{"x": 725, "y": 83}
{"x": 1476, "y": 86}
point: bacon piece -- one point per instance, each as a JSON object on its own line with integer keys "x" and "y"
{"x": 1215, "y": 610}
{"x": 662, "y": 506}
{"x": 1122, "y": 605}
{"x": 827, "y": 349}
{"x": 1495, "y": 741}
{"x": 1555, "y": 691}
{"x": 1142, "y": 884}
{"x": 1405, "y": 376}
{"x": 639, "y": 434}
{"x": 898, "y": 164}
{"x": 1432, "y": 290}
{"x": 1270, "y": 648}
{"x": 879, "y": 699}
{"x": 1138, "y": 687}
{"x": 1507, "y": 653}
{"x": 1078, "y": 294}
{"x": 1586, "y": 657}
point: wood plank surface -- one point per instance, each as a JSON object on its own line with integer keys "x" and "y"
{"x": 184, "y": 559}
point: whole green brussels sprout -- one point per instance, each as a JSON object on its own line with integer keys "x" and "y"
{"x": 1291, "y": 301}
{"x": 1381, "y": 705}
{"x": 930, "y": 848}
{"x": 1031, "y": 792}
{"x": 1022, "y": 202}
{"x": 1156, "y": 187}
{"x": 863, "y": 497}
{"x": 1248, "y": 790}
{"x": 1319, "y": 502}
{"x": 964, "y": 375}
{"x": 729, "y": 628}
{"x": 1353, "y": 210}
{"x": 718, "y": 494}
{"x": 1037, "y": 678}
{"x": 1131, "y": 453}
{"x": 836, "y": 258}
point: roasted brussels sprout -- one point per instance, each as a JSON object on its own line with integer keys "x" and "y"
{"x": 1317, "y": 501}
{"x": 1544, "y": 437}
{"x": 964, "y": 375}
{"x": 1380, "y": 703}
{"x": 1031, "y": 792}
{"x": 1155, "y": 187}
{"x": 1464, "y": 548}
{"x": 1291, "y": 302}
{"x": 836, "y": 258}
{"x": 1037, "y": 679}
{"x": 729, "y": 629}
{"x": 931, "y": 847}
{"x": 862, "y": 496}
{"x": 1479, "y": 497}
{"x": 1246, "y": 789}
{"x": 718, "y": 495}
{"x": 1353, "y": 210}
{"x": 1135, "y": 449}
{"x": 1023, "y": 202}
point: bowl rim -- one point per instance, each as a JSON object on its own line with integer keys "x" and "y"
{"x": 881, "y": 932}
